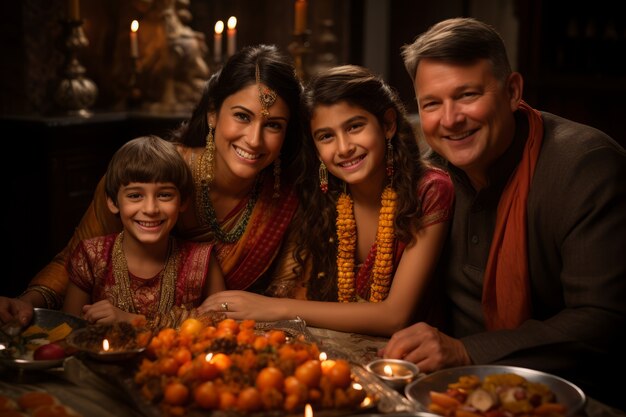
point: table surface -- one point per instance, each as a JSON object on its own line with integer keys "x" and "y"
{"x": 77, "y": 385}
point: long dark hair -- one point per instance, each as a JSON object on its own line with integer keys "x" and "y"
{"x": 275, "y": 70}
{"x": 316, "y": 218}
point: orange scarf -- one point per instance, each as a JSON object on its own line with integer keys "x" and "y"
{"x": 506, "y": 288}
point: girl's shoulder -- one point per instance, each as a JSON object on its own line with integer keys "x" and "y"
{"x": 435, "y": 176}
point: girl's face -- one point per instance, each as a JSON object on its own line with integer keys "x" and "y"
{"x": 245, "y": 140}
{"x": 148, "y": 211}
{"x": 351, "y": 142}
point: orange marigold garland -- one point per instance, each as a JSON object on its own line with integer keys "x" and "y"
{"x": 385, "y": 238}
{"x": 346, "y": 235}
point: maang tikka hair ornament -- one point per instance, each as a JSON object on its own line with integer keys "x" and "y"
{"x": 267, "y": 96}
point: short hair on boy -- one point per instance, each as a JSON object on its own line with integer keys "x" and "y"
{"x": 148, "y": 159}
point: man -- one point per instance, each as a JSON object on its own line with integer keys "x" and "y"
{"x": 535, "y": 267}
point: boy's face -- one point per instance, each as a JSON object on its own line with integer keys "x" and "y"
{"x": 148, "y": 211}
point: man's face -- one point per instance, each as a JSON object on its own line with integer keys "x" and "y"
{"x": 466, "y": 113}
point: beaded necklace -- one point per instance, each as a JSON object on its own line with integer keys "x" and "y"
{"x": 124, "y": 297}
{"x": 206, "y": 211}
{"x": 385, "y": 238}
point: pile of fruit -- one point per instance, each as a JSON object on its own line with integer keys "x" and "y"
{"x": 230, "y": 366}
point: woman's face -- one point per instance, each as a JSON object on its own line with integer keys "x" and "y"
{"x": 245, "y": 140}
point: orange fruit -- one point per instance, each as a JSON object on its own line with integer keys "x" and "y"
{"x": 340, "y": 374}
{"x": 309, "y": 373}
{"x": 270, "y": 377}
{"x": 222, "y": 361}
{"x": 249, "y": 400}
{"x": 176, "y": 393}
{"x": 55, "y": 410}
{"x": 190, "y": 327}
{"x": 34, "y": 399}
{"x": 206, "y": 395}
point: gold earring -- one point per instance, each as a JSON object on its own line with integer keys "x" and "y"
{"x": 323, "y": 174}
{"x": 276, "y": 178}
{"x": 206, "y": 161}
{"x": 389, "y": 166}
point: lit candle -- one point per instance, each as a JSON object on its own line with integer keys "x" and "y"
{"x": 231, "y": 47}
{"x": 134, "y": 46}
{"x": 217, "y": 41}
{"x": 308, "y": 410}
{"x": 395, "y": 372}
{"x": 105, "y": 345}
{"x": 73, "y": 10}
{"x": 300, "y": 23}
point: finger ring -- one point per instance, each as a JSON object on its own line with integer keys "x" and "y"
{"x": 225, "y": 306}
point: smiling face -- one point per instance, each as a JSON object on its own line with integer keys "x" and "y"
{"x": 148, "y": 211}
{"x": 245, "y": 140}
{"x": 466, "y": 113}
{"x": 351, "y": 142}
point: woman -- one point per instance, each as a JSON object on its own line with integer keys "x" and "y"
{"x": 360, "y": 160}
{"x": 240, "y": 143}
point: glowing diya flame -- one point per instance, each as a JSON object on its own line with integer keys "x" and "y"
{"x": 208, "y": 357}
{"x": 323, "y": 356}
{"x": 105, "y": 345}
{"x": 308, "y": 410}
{"x": 387, "y": 370}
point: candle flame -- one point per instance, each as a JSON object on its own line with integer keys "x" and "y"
{"x": 208, "y": 357}
{"x": 308, "y": 410}
{"x": 388, "y": 371}
{"x": 219, "y": 27}
{"x": 105, "y": 345}
{"x": 134, "y": 26}
{"x": 323, "y": 356}
{"x": 232, "y": 22}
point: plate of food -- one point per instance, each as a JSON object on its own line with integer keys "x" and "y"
{"x": 236, "y": 368}
{"x": 110, "y": 342}
{"x": 41, "y": 344}
{"x": 488, "y": 389}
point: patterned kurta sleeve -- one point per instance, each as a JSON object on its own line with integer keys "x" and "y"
{"x": 437, "y": 197}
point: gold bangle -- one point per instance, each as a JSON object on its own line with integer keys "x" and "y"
{"x": 50, "y": 298}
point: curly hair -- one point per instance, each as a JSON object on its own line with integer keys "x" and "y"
{"x": 315, "y": 220}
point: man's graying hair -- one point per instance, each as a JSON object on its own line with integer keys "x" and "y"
{"x": 458, "y": 40}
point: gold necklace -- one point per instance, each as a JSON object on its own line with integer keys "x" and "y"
{"x": 385, "y": 238}
{"x": 124, "y": 297}
{"x": 206, "y": 211}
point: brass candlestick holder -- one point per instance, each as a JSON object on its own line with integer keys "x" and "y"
{"x": 301, "y": 51}
{"x": 75, "y": 93}
{"x": 134, "y": 95}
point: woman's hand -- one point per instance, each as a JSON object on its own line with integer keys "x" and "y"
{"x": 103, "y": 312}
{"x": 242, "y": 305}
{"x": 427, "y": 347}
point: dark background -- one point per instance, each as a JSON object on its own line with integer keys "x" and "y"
{"x": 571, "y": 54}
